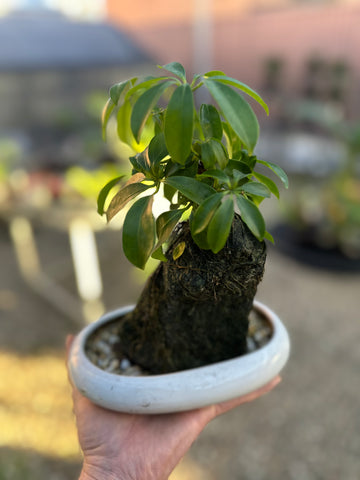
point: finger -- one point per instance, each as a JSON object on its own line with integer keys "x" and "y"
{"x": 229, "y": 405}
{"x": 68, "y": 342}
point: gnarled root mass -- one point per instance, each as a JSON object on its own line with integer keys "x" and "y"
{"x": 194, "y": 310}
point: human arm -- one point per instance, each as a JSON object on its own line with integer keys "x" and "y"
{"x": 141, "y": 447}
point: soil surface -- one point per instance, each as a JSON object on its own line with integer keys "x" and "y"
{"x": 307, "y": 429}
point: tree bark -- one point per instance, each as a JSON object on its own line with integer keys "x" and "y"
{"x": 194, "y": 310}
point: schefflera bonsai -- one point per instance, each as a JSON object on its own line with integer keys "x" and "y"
{"x": 194, "y": 308}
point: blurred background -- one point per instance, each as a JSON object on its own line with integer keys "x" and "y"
{"x": 61, "y": 266}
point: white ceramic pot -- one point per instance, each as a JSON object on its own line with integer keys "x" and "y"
{"x": 182, "y": 390}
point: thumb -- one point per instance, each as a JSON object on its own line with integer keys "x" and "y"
{"x": 68, "y": 342}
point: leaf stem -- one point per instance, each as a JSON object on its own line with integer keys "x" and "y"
{"x": 194, "y": 88}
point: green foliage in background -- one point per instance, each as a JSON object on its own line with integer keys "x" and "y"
{"x": 201, "y": 159}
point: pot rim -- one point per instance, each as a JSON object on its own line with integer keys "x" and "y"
{"x": 196, "y": 386}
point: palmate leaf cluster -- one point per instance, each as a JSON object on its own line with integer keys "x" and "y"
{"x": 201, "y": 159}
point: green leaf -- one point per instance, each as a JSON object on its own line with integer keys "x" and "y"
{"x": 218, "y": 175}
{"x": 196, "y": 77}
{"x": 127, "y": 193}
{"x": 158, "y": 254}
{"x": 192, "y": 189}
{"x": 213, "y": 152}
{"x": 241, "y": 86}
{"x": 214, "y": 73}
{"x": 269, "y": 237}
{"x": 123, "y": 123}
{"x": 220, "y": 225}
{"x": 172, "y": 168}
{"x": 104, "y": 192}
{"x": 141, "y": 163}
{"x": 106, "y": 113}
{"x": 233, "y": 142}
{"x": 204, "y": 213}
{"x": 256, "y": 188}
{"x": 143, "y": 106}
{"x": 238, "y": 176}
{"x": 179, "y": 124}
{"x": 237, "y": 112}
{"x": 169, "y": 192}
{"x": 201, "y": 240}
{"x": 157, "y": 151}
{"x": 268, "y": 182}
{"x": 165, "y": 224}
{"x": 238, "y": 165}
{"x": 251, "y": 215}
{"x": 210, "y": 122}
{"x": 246, "y": 158}
{"x": 278, "y": 171}
{"x": 117, "y": 90}
{"x": 139, "y": 232}
{"x": 135, "y": 91}
{"x": 176, "y": 68}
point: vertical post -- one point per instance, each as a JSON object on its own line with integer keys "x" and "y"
{"x": 202, "y": 42}
{"x": 203, "y": 35}
{"x": 86, "y": 266}
{"x": 25, "y": 248}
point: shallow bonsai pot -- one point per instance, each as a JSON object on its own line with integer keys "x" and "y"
{"x": 183, "y": 390}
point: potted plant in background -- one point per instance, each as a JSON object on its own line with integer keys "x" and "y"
{"x": 188, "y": 331}
{"x": 322, "y": 218}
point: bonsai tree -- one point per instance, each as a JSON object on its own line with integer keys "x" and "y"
{"x": 210, "y": 239}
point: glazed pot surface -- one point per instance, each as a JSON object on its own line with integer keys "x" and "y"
{"x": 183, "y": 390}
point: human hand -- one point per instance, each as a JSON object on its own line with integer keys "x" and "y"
{"x": 141, "y": 447}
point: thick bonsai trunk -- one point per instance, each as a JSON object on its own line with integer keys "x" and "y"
{"x": 194, "y": 310}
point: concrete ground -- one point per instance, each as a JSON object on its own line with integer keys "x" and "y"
{"x": 308, "y": 428}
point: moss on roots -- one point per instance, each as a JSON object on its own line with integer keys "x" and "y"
{"x": 194, "y": 310}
